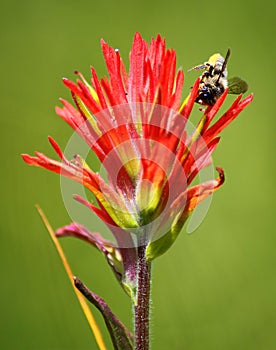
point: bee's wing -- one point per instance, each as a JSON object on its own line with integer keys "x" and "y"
{"x": 201, "y": 66}
{"x": 237, "y": 86}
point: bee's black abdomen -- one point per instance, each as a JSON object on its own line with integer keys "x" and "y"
{"x": 208, "y": 95}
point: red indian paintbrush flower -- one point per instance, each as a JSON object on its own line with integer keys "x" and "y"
{"x": 135, "y": 122}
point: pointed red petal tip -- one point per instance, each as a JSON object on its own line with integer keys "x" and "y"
{"x": 189, "y": 106}
{"x": 158, "y": 37}
{"x": 27, "y": 158}
{"x": 59, "y": 109}
{"x": 56, "y": 147}
{"x": 138, "y": 36}
{"x": 217, "y": 105}
{"x": 102, "y": 42}
{"x": 105, "y": 47}
{"x": 68, "y": 83}
{"x": 248, "y": 99}
{"x": 240, "y": 105}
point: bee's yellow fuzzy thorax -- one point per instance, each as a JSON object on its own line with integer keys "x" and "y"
{"x": 213, "y": 59}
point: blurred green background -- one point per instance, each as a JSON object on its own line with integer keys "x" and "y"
{"x": 215, "y": 289}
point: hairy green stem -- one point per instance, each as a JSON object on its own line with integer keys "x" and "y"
{"x": 142, "y": 309}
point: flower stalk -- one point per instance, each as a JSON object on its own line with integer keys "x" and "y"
{"x": 142, "y": 308}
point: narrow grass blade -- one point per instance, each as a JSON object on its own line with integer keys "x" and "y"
{"x": 85, "y": 308}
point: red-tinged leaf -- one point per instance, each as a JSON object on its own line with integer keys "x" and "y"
{"x": 190, "y": 199}
{"x": 227, "y": 118}
{"x": 83, "y": 127}
{"x": 101, "y": 213}
{"x": 108, "y": 91}
{"x": 112, "y": 60}
{"x": 237, "y": 100}
{"x": 90, "y": 103}
{"x": 167, "y": 77}
{"x": 111, "y": 253}
{"x": 57, "y": 149}
{"x": 189, "y": 106}
{"x": 137, "y": 69}
{"x": 177, "y": 94}
{"x": 98, "y": 88}
{"x": 121, "y": 337}
{"x": 150, "y": 84}
{"x": 124, "y": 241}
{"x": 66, "y": 168}
{"x": 156, "y": 55}
{"x": 68, "y": 113}
{"x": 212, "y": 111}
{"x": 198, "y": 193}
{"x": 203, "y": 159}
{"x": 28, "y": 159}
{"x": 42, "y": 161}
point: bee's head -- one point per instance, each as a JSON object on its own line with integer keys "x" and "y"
{"x": 210, "y": 64}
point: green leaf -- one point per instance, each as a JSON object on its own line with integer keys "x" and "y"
{"x": 161, "y": 245}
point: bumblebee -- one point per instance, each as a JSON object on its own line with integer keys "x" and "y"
{"x": 214, "y": 80}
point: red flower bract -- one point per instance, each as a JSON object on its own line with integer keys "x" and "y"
{"x": 135, "y": 123}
